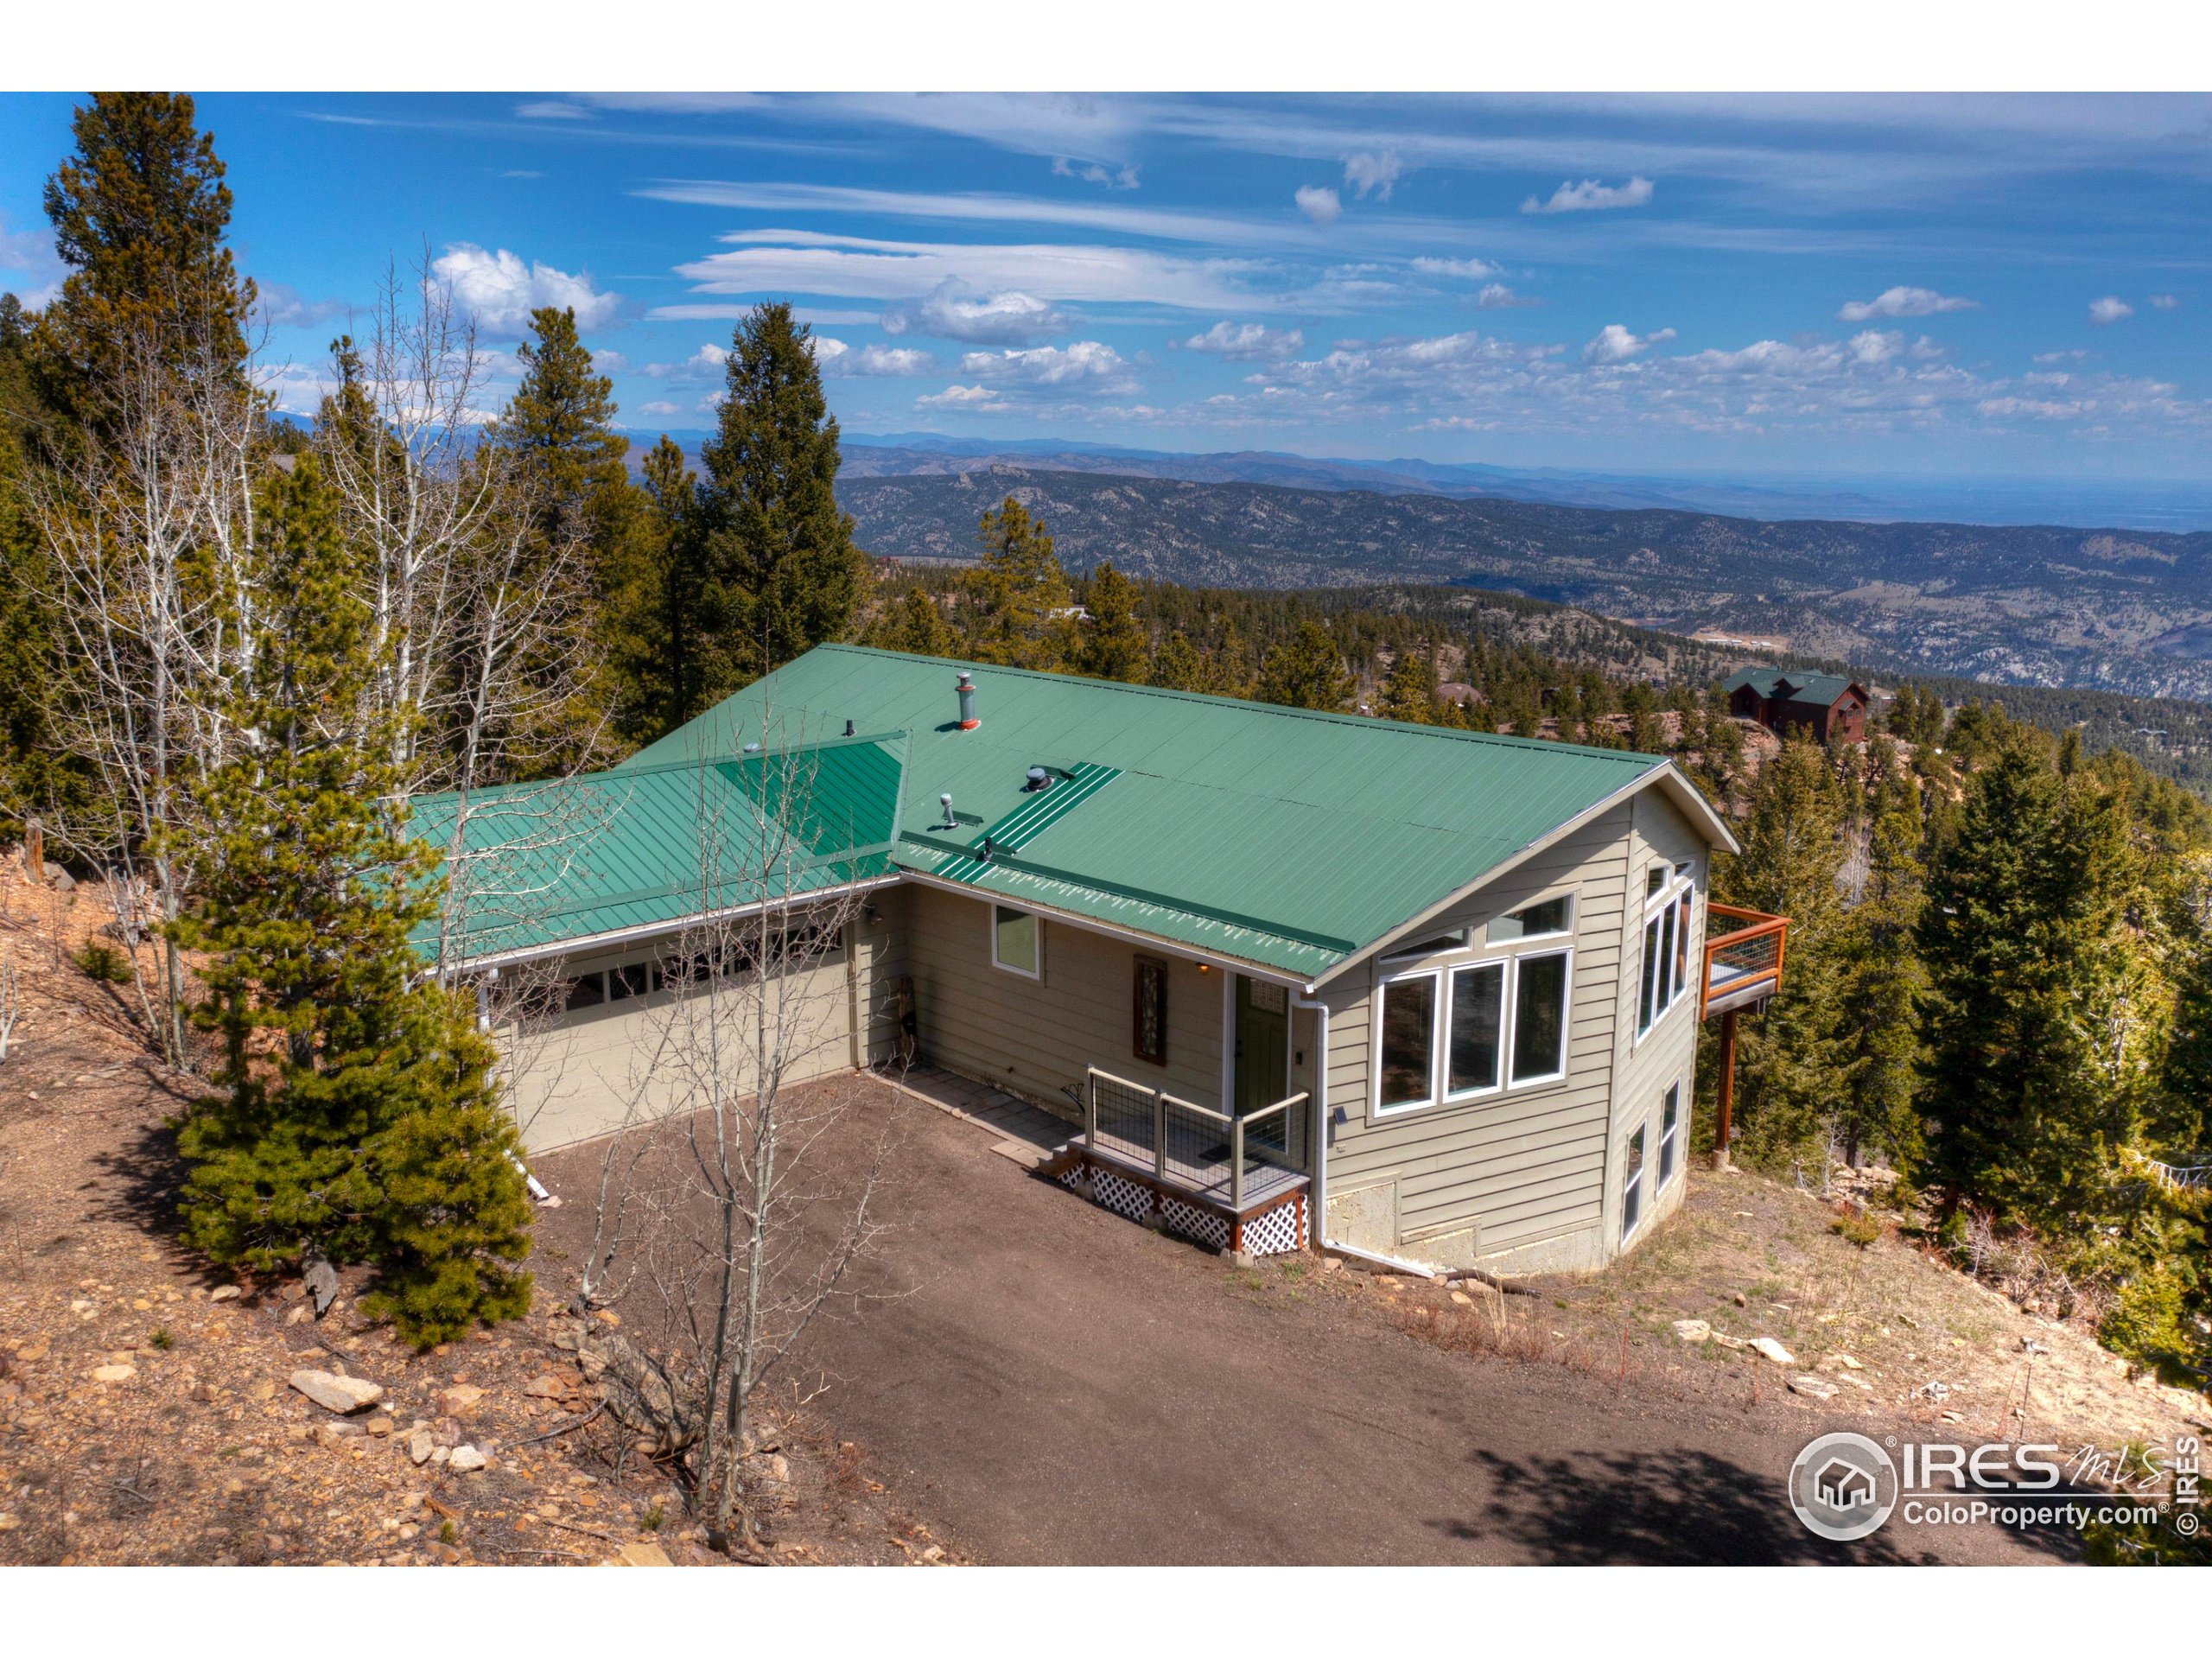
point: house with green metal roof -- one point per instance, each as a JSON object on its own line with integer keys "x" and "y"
{"x": 1289, "y": 976}
{"x": 1827, "y": 705}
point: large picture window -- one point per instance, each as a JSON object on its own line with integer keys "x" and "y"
{"x": 1666, "y": 974}
{"x": 1540, "y": 1017}
{"x": 1408, "y": 1042}
{"x": 1457, "y": 1031}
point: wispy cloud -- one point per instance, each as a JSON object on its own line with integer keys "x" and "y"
{"x": 839, "y": 358}
{"x": 1474, "y": 270}
{"x": 1318, "y": 203}
{"x": 2111, "y": 309}
{"x": 2165, "y": 302}
{"x": 550, "y": 109}
{"x": 281, "y": 307}
{"x": 1593, "y": 196}
{"x": 1114, "y": 177}
{"x": 30, "y": 257}
{"x": 1905, "y": 302}
{"x": 1367, "y": 172}
{"x": 1496, "y": 296}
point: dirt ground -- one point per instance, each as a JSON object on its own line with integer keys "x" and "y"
{"x": 146, "y": 1411}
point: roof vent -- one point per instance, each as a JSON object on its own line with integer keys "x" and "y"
{"x": 967, "y": 689}
{"x": 1039, "y": 779}
{"x": 945, "y": 801}
{"x": 849, "y": 728}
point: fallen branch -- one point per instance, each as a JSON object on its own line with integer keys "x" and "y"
{"x": 555, "y": 1434}
{"x": 1505, "y": 1287}
{"x": 566, "y": 1526}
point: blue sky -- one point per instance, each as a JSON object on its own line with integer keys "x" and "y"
{"x": 2004, "y": 285}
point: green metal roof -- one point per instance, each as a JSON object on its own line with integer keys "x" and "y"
{"x": 1283, "y": 837}
{"x": 645, "y": 846}
{"x": 1819, "y": 690}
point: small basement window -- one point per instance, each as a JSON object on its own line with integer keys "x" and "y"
{"x": 1670, "y": 1131}
{"x": 1014, "y": 940}
{"x": 634, "y": 979}
{"x": 1632, "y": 1181}
{"x": 586, "y": 991}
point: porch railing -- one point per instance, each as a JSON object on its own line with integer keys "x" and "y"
{"x": 1215, "y": 1156}
{"x": 1744, "y": 964}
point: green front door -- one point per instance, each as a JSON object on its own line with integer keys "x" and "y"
{"x": 1262, "y": 1044}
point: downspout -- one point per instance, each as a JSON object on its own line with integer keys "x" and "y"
{"x": 1318, "y": 1195}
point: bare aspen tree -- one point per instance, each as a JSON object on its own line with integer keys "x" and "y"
{"x": 733, "y": 1202}
{"x": 11, "y": 996}
{"x": 150, "y": 524}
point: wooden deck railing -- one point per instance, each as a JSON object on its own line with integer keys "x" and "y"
{"x": 1744, "y": 965}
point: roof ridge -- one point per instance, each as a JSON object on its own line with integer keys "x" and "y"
{"x": 1364, "y": 722}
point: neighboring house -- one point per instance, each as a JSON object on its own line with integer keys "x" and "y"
{"x": 1827, "y": 705}
{"x": 1437, "y": 991}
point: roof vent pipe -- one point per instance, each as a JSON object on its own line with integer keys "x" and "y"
{"x": 968, "y": 720}
{"x": 945, "y": 801}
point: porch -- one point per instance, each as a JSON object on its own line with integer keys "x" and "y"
{"x": 1743, "y": 971}
{"x": 1237, "y": 1181}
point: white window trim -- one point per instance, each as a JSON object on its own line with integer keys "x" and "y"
{"x": 1438, "y": 971}
{"x": 1679, "y": 887}
{"x": 1037, "y": 923}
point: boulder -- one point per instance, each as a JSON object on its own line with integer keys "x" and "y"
{"x": 419, "y": 1446}
{"x": 548, "y": 1387}
{"x": 459, "y": 1400}
{"x": 641, "y": 1553}
{"x": 1768, "y": 1348}
{"x": 1694, "y": 1330}
{"x": 114, "y": 1373}
{"x": 1815, "y": 1388}
{"x": 335, "y": 1393}
{"x": 225, "y": 1293}
{"x": 465, "y": 1460}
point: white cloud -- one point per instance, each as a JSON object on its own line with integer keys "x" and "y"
{"x": 1614, "y": 344}
{"x": 1318, "y": 203}
{"x": 500, "y": 291}
{"x": 553, "y": 109}
{"x": 2111, "y": 309}
{"x": 2076, "y": 355}
{"x": 1870, "y": 347}
{"x": 2165, "y": 302}
{"x": 1086, "y": 363}
{"x": 704, "y": 364}
{"x": 1377, "y": 173}
{"x": 1496, "y": 296}
{"x": 660, "y": 406}
{"x": 31, "y": 255}
{"x": 1475, "y": 270}
{"x": 1114, "y": 177}
{"x": 521, "y": 173}
{"x": 281, "y": 307}
{"x": 1591, "y": 195}
{"x": 847, "y": 362}
{"x": 954, "y": 310}
{"x": 1905, "y": 302}
{"x": 981, "y": 399}
{"x": 852, "y": 267}
{"x": 1248, "y": 341}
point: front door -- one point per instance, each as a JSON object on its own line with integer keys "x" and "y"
{"x": 1262, "y": 1044}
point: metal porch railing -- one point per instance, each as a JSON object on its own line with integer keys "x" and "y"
{"x": 1235, "y": 1161}
{"x": 1744, "y": 965}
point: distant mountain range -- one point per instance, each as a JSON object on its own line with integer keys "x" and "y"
{"x": 2120, "y": 609}
{"x": 2121, "y": 505}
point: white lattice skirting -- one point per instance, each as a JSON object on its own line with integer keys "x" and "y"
{"x": 1279, "y": 1229}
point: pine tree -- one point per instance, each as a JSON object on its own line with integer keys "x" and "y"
{"x": 1305, "y": 670}
{"x": 1019, "y": 593}
{"x": 358, "y": 1118}
{"x": 1790, "y": 1062}
{"x": 1409, "y": 693}
{"x": 778, "y": 571}
{"x": 139, "y": 213}
{"x": 2028, "y": 971}
{"x": 652, "y": 600}
{"x": 31, "y": 777}
{"x": 1178, "y": 665}
{"x": 1114, "y": 645}
{"x": 559, "y": 429}
{"x": 918, "y": 626}
{"x": 1884, "y": 980}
